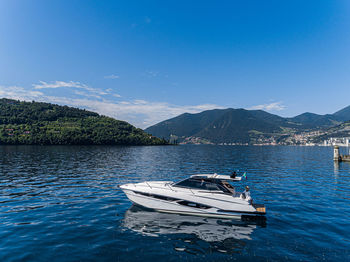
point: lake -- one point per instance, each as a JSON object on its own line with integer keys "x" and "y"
{"x": 62, "y": 203}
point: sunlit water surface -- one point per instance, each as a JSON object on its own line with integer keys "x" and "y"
{"x": 62, "y": 203}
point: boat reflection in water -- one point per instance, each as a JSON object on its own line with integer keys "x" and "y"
{"x": 226, "y": 234}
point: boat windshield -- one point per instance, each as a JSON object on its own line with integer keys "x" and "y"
{"x": 204, "y": 184}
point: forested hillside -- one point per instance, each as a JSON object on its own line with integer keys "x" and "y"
{"x": 44, "y": 123}
{"x": 241, "y": 126}
{"x": 224, "y": 126}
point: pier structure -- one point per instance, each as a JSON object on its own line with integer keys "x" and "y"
{"x": 338, "y": 157}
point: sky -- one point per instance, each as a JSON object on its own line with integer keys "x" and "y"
{"x": 148, "y": 61}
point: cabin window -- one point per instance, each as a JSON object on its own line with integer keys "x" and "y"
{"x": 192, "y": 183}
{"x": 211, "y": 186}
{"x": 203, "y": 184}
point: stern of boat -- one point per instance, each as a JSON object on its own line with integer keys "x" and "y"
{"x": 260, "y": 209}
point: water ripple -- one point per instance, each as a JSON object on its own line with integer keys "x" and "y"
{"x": 61, "y": 203}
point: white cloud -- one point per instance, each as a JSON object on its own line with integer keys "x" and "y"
{"x": 151, "y": 74}
{"x": 112, "y": 76}
{"x": 109, "y": 91}
{"x": 19, "y": 93}
{"x": 275, "y": 106}
{"x": 145, "y": 113}
{"x": 58, "y": 84}
{"x": 140, "y": 102}
{"x": 140, "y": 113}
{"x": 86, "y": 94}
{"x": 70, "y": 84}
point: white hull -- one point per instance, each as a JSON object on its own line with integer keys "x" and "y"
{"x": 164, "y": 197}
{"x": 174, "y": 208}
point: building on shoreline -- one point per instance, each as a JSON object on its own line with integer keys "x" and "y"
{"x": 337, "y": 141}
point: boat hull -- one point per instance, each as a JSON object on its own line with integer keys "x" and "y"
{"x": 175, "y": 208}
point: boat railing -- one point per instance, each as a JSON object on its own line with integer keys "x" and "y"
{"x": 148, "y": 185}
{"x": 169, "y": 186}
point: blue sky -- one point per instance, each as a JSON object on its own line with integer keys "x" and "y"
{"x": 147, "y": 61}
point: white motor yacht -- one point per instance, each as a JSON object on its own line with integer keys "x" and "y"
{"x": 209, "y": 195}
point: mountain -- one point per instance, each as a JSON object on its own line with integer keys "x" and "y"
{"x": 311, "y": 120}
{"x": 223, "y": 126}
{"x": 343, "y": 114}
{"x": 44, "y": 123}
{"x": 186, "y": 124}
{"x": 240, "y": 126}
{"x": 237, "y": 125}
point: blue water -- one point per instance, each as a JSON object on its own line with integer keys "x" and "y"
{"x": 61, "y": 203}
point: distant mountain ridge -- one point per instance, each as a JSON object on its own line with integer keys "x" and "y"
{"x": 241, "y": 126}
{"x": 343, "y": 114}
{"x": 311, "y": 120}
